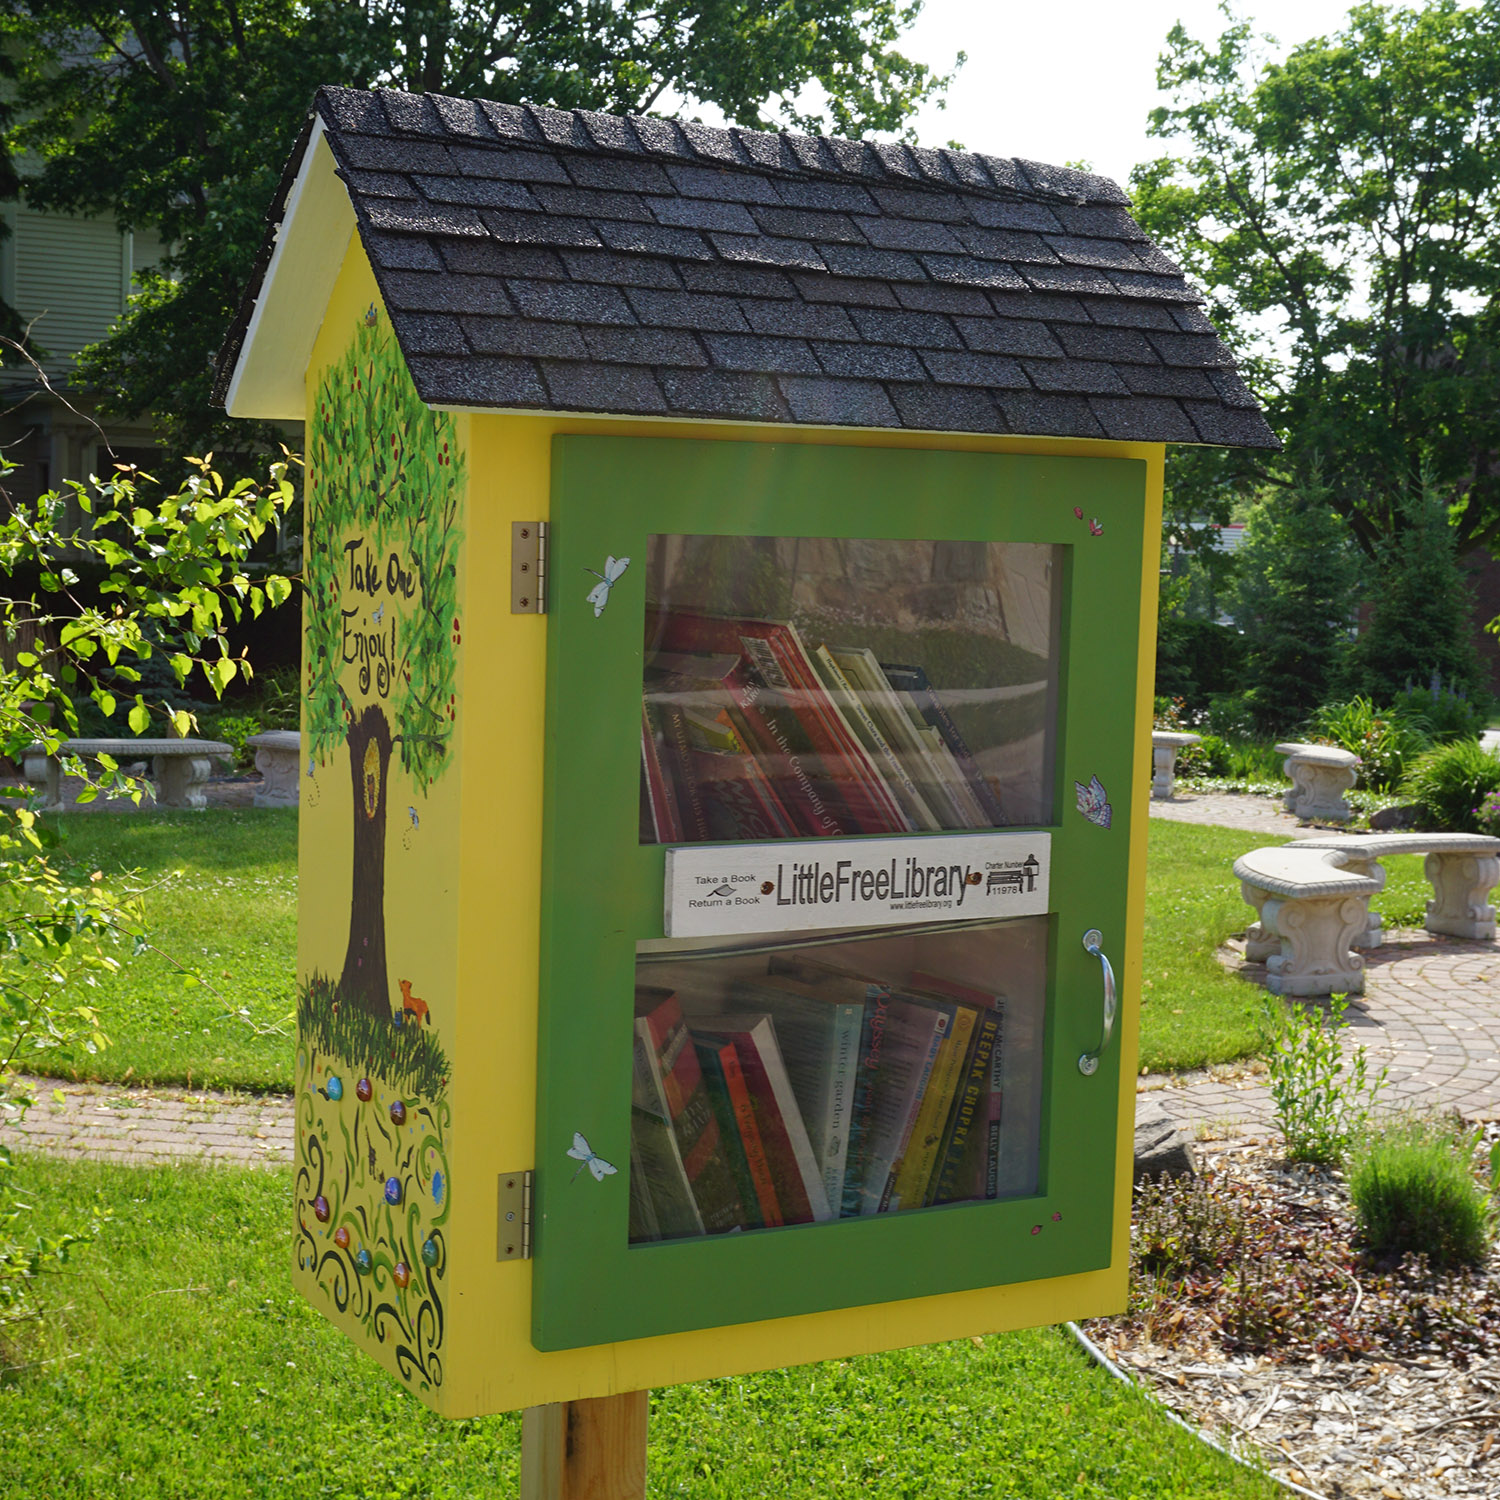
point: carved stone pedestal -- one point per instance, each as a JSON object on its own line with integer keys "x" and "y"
{"x": 1164, "y": 748}
{"x": 1320, "y": 776}
{"x": 278, "y": 755}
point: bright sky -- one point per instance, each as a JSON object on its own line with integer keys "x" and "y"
{"x": 1071, "y": 81}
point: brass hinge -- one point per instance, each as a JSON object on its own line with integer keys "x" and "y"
{"x": 513, "y": 1222}
{"x": 528, "y": 567}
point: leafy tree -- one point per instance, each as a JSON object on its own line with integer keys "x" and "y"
{"x": 174, "y": 574}
{"x": 1421, "y": 624}
{"x": 383, "y": 528}
{"x": 178, "y": 119}
{"x": 1296, "y": 590}
{"x": 1341, "y": 207}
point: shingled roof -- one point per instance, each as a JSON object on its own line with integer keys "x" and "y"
{"x": 557, "y": 260}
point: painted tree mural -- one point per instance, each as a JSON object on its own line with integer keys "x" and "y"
{"x": 381, "y": 612}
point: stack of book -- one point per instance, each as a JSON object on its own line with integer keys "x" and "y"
{"x": 747, "y": 733}
{"x": 810, "y": 1093}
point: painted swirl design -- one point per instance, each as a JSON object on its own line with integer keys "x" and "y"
{"x": 372, "y": 1200}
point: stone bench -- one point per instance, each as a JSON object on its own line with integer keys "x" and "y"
{"x": 178, "y": 770}
{"x": 1164, "y": 747}
{"x": 1311, "y": 909}
{"x": 1312, "y": 899}
{"x": 1320, "y": 775}
{"x": 278, "y": 758}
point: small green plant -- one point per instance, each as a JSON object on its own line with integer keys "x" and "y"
{"x": 1322, "y": 1097}
{"x": 1413, "y": 1187}
{"x": 234, "y": 730}
{"x": 1386, "y": 740}
{"x": 1450, "y": 784}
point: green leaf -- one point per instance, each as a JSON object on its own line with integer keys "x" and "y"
{"x": 139, "y": 718}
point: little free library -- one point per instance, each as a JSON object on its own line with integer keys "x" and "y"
{"x": 731, "y": 597}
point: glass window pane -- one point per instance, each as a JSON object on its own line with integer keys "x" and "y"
{"x": 801, "y": 1081}
{"x": 798, "y": 687}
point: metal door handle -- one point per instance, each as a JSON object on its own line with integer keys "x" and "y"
{"x": 1093, "y": 941}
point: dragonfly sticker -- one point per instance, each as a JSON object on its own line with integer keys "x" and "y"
{"x": 614, "y": 567}
{"x": 585, "y": 1156}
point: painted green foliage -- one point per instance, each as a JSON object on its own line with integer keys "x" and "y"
{"x": 382, "y": 623}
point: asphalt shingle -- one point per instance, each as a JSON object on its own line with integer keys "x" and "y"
{"x": 540, "y": 258}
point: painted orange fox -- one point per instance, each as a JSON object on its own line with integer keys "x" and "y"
{"x": 413, "y": 1007}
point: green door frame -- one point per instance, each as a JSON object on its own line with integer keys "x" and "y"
{"x": 602, "y": 890}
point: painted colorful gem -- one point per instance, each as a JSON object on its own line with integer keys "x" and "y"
{"x": 363, "y": 1262}
{"x": 429, "y": 1252}
{"x": 335, "y": 1088}
{"x": 398, "y": 1112}
{"x": 320, "y": 1209}
{"x": 393, "y": 1190}
{"x": 614, "y": 568}
{"x": 585, "y": 1156}
{"x": 341, "y": 1237}
{"x": 401, "y": 1274}
{"x": 437, "y": 1188}
{"x": 364, "y": 1090}
{"x": 1093, "y": 801}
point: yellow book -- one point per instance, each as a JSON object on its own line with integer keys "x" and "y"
{"x": 925, "y": 1143}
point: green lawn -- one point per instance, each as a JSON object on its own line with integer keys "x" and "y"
{"x": 231, "y": 914}
{"x": 185, "y": 1366}
{"x": 1193, "y": 1011}
{"x": 221, "y": 899}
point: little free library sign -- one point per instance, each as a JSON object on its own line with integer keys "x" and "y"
{"x": 722, "y": 889}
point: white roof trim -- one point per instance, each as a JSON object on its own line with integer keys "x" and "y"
{"x": 269, "y": 378}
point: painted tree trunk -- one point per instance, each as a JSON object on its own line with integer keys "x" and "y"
{"x": 364, "y": 981}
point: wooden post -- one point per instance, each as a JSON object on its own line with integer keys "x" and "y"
{"x": 585, "y": 1450}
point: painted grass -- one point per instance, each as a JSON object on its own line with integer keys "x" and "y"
{"x": 221, "y": 899}
{"x": 1193, "y": 1012}
{"x": 232, "y": 913}
{"x": 186, "y": 1367}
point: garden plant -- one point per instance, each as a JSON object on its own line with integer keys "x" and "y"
{"x": 173, "y": 574}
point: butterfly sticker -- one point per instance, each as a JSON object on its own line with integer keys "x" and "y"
{"x": 379, "y": 615}
{"x": 614, "y": 567}
{"x": 1096, "y": 526}
{"x": 1093, "y": 801}
{"x": 584, "y": 1155}
{"x": 1077, "y": 512}
{"x": 407, "y": 833}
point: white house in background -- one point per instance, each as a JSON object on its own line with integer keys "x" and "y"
{"x": 69, "y": 278}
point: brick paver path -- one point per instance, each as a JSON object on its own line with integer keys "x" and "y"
{"x": 1431, "y": 1012}
{"x": 144, "y": 1126}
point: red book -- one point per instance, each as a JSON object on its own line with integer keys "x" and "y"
{"x": 675, "y": 1070}
{"x": 744, "y": 1115}
{"x": 776, "y": 658}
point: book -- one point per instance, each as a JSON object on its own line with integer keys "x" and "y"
{"x": 918, "y": 813}
{"x": 661, "y": 1199}
{"x": 914, "y": 1174}
{"x": 950, "y": 1183}
{"x": 795, "y": 1172}
{"x": 910, "y": 738}
{"x": 779, "y": 663}
{"x": 914, "y": 683}
{"x": 818, "y": 1030}
{"x": 756, "y": 1160}
{"x": 911, "y": 1035}
{"x": 673, "y": 1064}
{"x": 971, "y": 1163}
{"x": 711, "y": 1065}
{"x": 771, "y": 734}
